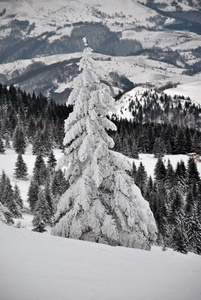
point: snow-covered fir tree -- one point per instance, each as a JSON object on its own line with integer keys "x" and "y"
{"x": 20, "y": 168}
{"x": 102, "y": 203}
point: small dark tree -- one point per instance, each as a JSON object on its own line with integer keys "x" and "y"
{"x": 39, "y": 171}
{"x": 20, "y": 168}
{"x": 52, "y": 162}
{"x": 179, "y": 241}
{"x": 159, "y": 148}
{"x": 192, "y": 171}
{"x": 141, "y": 178}
{"x": 17, "y": 196}
{"x": 19, "y": 139}
{"x": 2, "y": 148}
{"x": 33, "y": 195}
{"x": 160, "y": 171}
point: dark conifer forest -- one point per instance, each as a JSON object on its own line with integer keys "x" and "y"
{"x": 174, "y": 195}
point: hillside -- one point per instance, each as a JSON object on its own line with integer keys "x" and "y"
{"x": 134, "y": 43}
{"x": 35, "y": 266}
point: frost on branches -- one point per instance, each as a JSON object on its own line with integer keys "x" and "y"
{"x": 102, "y": 203}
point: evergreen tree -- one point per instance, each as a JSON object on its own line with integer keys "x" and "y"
{"x": 59, "y": 184}
{"x": 17, "y": 196}
{"x": 193, "y": 174}
{"x": 159, "y": 148}
{"x": 8, "y": 200}
{"x": 33, "y": 195}
{"x": 141, "y": 178}
{"x": 5, "y": 215}
{"x": 43, "y": 208}
{"x": 20, "y": 168}
{"x": 38, "y": 223}
{"x": 160, "y": 171}
{"x": 52, "y": 162}
{"x": 97, "y": 205}
{"x": 180, "y": 142}
{"x": 170, "y": 177}
{"x": 39, "y": 171}
{"x": 181, "y": 178}
{"x": 19, "y": 139}
{"x": 2, "y": 148}
{"x": 179, "y": 241}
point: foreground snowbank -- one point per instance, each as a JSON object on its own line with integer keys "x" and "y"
{"x": 39, "y": 266}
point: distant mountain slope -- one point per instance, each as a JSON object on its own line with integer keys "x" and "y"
{"x": 147, "y": 44}
{"x": 146, "y": 105}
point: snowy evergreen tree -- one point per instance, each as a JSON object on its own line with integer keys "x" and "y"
{"x": 5, "y": 215}
{"x": 17, "y": 196}
{"x": 159, "y": 148}
{"x": 39, "y": 171}
{"x": 160, "y": 171}
{"x": 33, "y": 195}
{"x": 141, "y": 178}
{"x": 19, "y": 139}
{"x": 52, "y": 162}
{"x": 8, "y": 200}
{"x": 102, "y": 203}
{"x": 20, "y": 168}
{"x": 43, "y": 213}
{"x": 2, "y": 148}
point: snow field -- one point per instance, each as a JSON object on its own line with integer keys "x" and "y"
{"x": 40, "y": 266}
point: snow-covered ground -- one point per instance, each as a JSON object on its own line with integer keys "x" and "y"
{"x": 44, "y": 267}
{"x": 191, "y": 89}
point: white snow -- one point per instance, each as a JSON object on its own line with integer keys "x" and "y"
{"x": 191, "y": 89}
{"x": 39, "y": 266}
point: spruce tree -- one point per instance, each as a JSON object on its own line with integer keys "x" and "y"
{"x": 52, "y": 162}
{"x": 160, "y": 171}
{"x": 39, "y": 171}
{"x": 33, "y": 195}
{"x": 19, "y": 139}
{"x": 2, "y": 148}
{"x": 43, "y": 213}
{"x": 141, "y": 178}
{"x": 102, "y": 203}
{"x": 20, "y": 168}
{"x": 193, "y": 174}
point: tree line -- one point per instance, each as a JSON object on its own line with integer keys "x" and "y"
{"x": 175, "y": 200}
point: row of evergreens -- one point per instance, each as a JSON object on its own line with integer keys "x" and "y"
{"x": 175, "y": 200}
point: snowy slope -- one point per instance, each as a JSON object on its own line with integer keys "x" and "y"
{"x": 191, "y": 89}
{"x": 39, "y": 266}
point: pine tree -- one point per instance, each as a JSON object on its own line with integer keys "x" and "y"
{"x": 5, "y": 215}
{"x": 2, "y": 148}
{"x": 59, "y": 184}
{"x": 20, "y": 168}
{"x": 160, "y": 171}
{"x": 9, "y": 201}
{"x": 43, "y": 212}
{"x": 17, "y": 196}
{"x": 193, "y": 174}
{"x": 33, "y": 195}
{"x": 141, "y": 178}
{"x": 159, "y": 148}
{"x": 97, "y": 205}
{"x": 52, "y": 162}
{"x": 39, "y": 171}
{"x": 19, "y": 139}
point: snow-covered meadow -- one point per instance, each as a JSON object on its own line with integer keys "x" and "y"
{"x": 40, "y": 266}
{"x": 43, "y": 267}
